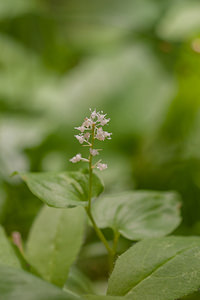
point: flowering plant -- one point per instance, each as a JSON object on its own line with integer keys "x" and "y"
{"x": 144, "y": 271}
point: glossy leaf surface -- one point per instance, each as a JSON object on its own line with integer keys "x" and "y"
{"x": 62, "y": 189}
{"x": 158, "y": 269}
{"x": 140, "y": 214}
{"x": 17, "y": 284}
{"x": 54, "y": 242}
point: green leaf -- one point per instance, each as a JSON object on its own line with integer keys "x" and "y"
{"x": 17, "y": 284}
{"x": 54, "y": 242}
{"x": 140, "y": 214}
{"x": 7, "y": 253}
{"x": 78, "y": 282}
{"x": 62, "y": 189}
{"x": 181, "y": 21}
{"x": 158, "y": 269}
{"x": 8, "y": 10}
{"x": 102, "y": 297}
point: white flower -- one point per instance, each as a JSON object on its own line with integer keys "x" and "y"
{"x": 87, "y": 123}
{"x": 94, "y": 152}
{"x": 81, "y": 128}
{"x": 87, "y": 136}
{"x": 76, "y": 158}
{"x": 101, "y": 167}
{"x": 101, "y": 135}
{"x": 80, "y": 138}
{"x": 93, "y": 114}
{"x": 102, "y": 120}
{"x": 107, "y": 135}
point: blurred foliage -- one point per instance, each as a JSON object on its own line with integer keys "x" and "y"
{"x": 138, "y": 60}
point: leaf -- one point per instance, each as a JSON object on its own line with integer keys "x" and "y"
{"x": 102, "y": 297}
{"x": 7, "y": 253}
{"x": 158, "y": 269}
{"x": 62, "y": 189}
{"x": 78, "y": 282}
{"x": 54, "y": 242}
{"x": 7, "y": 9}
{"x": 17, "y": 284}
{"x": 139, "y": 214}
{"x": 181, "y": 21}
{"x": 121, "y": 15}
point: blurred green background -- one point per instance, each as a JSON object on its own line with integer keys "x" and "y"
{"x": 137, "y": 60}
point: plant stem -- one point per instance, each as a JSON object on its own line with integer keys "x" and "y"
{"x": 99, "y": 233}
{"x": 88, "y": 208}
{"x": 114, "y": 250}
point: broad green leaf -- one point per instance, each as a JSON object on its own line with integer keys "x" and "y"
{"x": 127, "y": 15}
{"x": 17, "y": 284}
{"x": 20, "y": 7}
{"x": 181, "y": 21}
{"x": 54, "y": 242}
{"x": 7, "y": 253}
{"x": 62, "y": 189}
{"x": 78, "y": 282}
{"x": 139, "y": 214}
{"x": 102, "y": 297}
{"x": 158, "y": 269}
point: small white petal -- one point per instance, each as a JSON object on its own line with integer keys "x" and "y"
{"x": 104, "y": 122}
{"x": 81, "y": 128}
{"x": 102, "y": 135}
{"x": 93, "y": 114}
{"x": 87, "y": 136}
{"x": 76, "y": 158}
{"x": 80, "y": 138}
{"x": 87, "y": 123}
{"x": 101, "y": 167}
{"x": 94, "y": 152}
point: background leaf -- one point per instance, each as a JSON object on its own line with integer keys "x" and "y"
{"x": 162, "y": 269}
{"x": 54, "y": 242}
{"x": 181, "y": 21}
{"x": 139, "y": 214}
{"x": 17, "y": 284}
{"x": 101, "y": 297}
{"x": 78, "y": 282}
{"x": 7, "y": 253}
{"x": 62, "y": 189}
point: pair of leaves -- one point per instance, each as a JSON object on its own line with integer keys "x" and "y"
{"x": 154, "y": 269}
{"x": 18, "y": 284}
{"x": 135, "y": 215}
{"x": 57, "y": 234}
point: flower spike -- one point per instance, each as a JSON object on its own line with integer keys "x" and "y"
{"x": 90, "y": 130}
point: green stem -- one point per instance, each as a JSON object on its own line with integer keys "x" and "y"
{"x": 114, "y": 250}
{"x": 115, "y": 241}
{"x": 88, "y": 208}
{"x": 99, "y": 233}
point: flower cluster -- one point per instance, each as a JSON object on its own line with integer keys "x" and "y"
{"x": 91, "y": 129}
